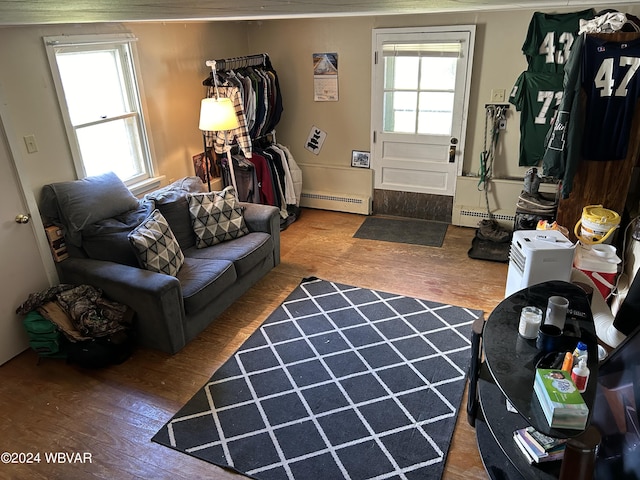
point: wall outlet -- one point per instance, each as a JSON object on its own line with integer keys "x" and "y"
{"x": 498, "y": 94}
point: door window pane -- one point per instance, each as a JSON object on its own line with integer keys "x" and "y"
{"x": 403, "y": 73}
{"x": 438, "y": 73}
{"x": 436, "y": 113}
{"x": 400, "y": 111}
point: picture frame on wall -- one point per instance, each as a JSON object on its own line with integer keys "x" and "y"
{"x": 360, "y": 159}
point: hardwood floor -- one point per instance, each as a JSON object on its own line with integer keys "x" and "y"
{"x": 112, "y": 413}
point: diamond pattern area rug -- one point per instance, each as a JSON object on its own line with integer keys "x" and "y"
{"x": 339, "y": 382}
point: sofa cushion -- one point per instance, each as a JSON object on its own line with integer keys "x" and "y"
{"x": 174, "y": 206}
{"x": 156, "y": 247}
{"x": 202, "y": 280}
{"x": 245, "y": 252}
{"x": 80, "y": 203}
{"x": 108, "y": 239}
{"x": 216, "y": 217}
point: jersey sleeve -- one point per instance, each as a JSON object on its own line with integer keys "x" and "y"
{"x": 517, "y": 95}
{"x": 530, "y": 45}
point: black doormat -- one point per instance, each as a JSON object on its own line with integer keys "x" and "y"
{"x": 339, "y": 382}
{"x": 488, "y": 250}
{"x": 403, "y": 230}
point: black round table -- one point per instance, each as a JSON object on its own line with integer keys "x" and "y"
{"x": 503, "y": 370}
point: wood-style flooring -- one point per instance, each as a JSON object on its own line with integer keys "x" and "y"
{"x": 111, "y": 414}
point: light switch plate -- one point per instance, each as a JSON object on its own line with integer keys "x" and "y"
{"x": 30, "y": 142}
{"x": 498, "y": 94}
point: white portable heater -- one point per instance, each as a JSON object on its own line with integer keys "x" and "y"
{"x": 538, "y": 256}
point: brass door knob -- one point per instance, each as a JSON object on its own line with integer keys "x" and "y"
{"x": 23, "y": 218}
{"x": 452, "y": 153}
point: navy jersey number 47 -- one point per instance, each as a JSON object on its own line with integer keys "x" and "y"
{"x": 612, "y": 83}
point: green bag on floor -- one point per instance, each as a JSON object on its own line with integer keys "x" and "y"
{"x": 44, "y": 336}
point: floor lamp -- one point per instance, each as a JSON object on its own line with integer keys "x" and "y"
{"x": 217, "y": 115}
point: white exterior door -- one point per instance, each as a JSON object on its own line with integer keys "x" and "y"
{"x": 23, "y": 270}
{"x": 420, "y": 93}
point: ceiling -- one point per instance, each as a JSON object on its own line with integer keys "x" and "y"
{"x": 28, "y": 12}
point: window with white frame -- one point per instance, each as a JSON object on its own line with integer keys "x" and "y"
{"x": 99, "y": 95}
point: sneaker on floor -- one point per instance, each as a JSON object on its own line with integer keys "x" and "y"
{"x": 491, "y": 230}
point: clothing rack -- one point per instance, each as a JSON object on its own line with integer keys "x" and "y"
{"x": 269, "y": 137}
{"x": 260, "y": 59}
{"x": 260, "y": 170}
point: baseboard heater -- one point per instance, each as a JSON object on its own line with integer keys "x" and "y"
{"x": 470, "y": 203}
{"x": 470, "y": 217}
{"x": 483, "y": 214}
{"x": 337, "y": 202}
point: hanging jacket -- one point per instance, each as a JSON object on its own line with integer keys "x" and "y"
{"x": 564, "y": 141}
{"x": 240, "y": 134}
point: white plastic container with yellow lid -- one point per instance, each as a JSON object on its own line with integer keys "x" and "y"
{"x": 596, "y": 225}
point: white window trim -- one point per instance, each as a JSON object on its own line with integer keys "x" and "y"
{"x": 78, "y": 40}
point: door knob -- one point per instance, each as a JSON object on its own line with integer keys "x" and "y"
{"x": 23, "y": 218}
{"x": 452, "y": 154}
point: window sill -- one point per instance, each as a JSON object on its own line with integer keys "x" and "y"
{"x": 146, "y": 186}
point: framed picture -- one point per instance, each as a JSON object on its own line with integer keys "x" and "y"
{"x": 360, "y": 159}
{"x": 200, "y": 166}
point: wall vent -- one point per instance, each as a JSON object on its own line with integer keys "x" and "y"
{"x": 339, "y": 203}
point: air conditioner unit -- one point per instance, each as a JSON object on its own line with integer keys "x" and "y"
{"x": 538, "y": 256}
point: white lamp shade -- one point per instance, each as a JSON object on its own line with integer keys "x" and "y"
{"x": 217, "y": 114}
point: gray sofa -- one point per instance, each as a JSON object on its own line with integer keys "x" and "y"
{"x": 97, "y": 214}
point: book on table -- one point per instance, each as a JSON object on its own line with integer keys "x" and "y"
{"x": 562, "y": 404}
{"x": 544, "y": 442}
{"x": 537, "y": 447}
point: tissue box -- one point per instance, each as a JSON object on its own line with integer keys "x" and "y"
{"x": 562, "y": 404}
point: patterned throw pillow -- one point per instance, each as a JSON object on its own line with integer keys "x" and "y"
{"x": 216, "y": 217}
{"x": 155, "y": 246}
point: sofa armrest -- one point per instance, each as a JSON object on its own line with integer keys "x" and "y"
{"x": 264, "y": 218}
{"x": 156, "y": 298}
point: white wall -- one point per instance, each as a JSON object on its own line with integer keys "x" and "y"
{"x": 498, "y": 61}
{"x": 172, "y": 62}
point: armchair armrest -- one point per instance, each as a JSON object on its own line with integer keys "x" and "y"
{"x": 156, "y": 298}
{"x": 264, "y": 218}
